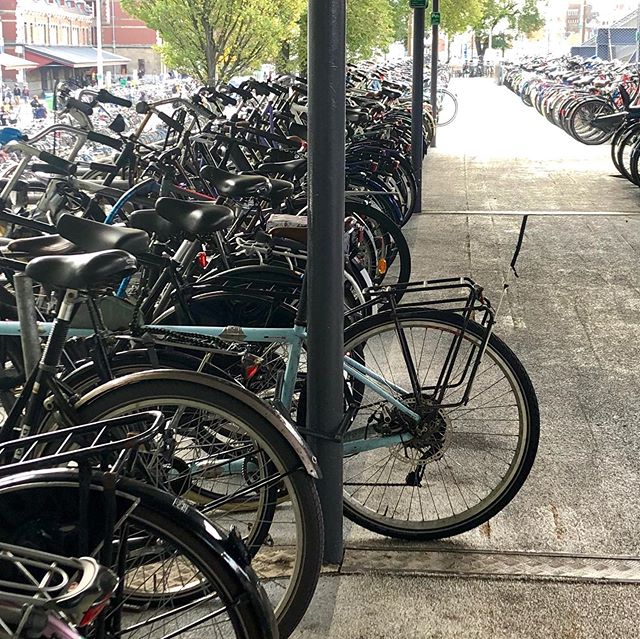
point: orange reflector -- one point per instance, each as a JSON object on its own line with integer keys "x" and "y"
{"x": 382, "y": 266}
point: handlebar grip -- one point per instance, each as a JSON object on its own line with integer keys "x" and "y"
{"x": 247, "y": 95}
{"x": 79, "y": 105}
{"x": 109, "y": 98}
{"x": 225, "y": 99}
{"x": 112, "y": 169}
{"x": 58, "y": 163}
{"x": 260, "y": 88}
{"x": 170, "y": 122}
{"x": 114, "y": 143}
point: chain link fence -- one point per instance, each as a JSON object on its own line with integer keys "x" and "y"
{"x": 618, "y": 41}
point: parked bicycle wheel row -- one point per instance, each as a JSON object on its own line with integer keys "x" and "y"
{"x": 582, "y": 97}
{"x": 169, "y": 283}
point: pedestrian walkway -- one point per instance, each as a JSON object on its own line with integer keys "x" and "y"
{"x": 500, "y": 155}
{"x": 573, "y": 317}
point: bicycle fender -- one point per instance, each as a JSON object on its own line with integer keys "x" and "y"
{"x": 278, "y": 421}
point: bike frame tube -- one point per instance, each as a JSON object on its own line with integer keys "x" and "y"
{"x": 125, "y": 197}
{"x": 295, "y": 337}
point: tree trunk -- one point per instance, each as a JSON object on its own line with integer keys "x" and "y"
{"x": 211, "y": 55}
{"x": 482, "y": 44}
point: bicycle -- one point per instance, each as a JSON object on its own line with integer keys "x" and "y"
{"x": 402, "y": 415}
{"x": 172, "y": 570}
{"x": 218, "y": 423}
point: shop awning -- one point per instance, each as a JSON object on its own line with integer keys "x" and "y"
{"x": 8, "y": 61}
{"x": 74, "y": 57}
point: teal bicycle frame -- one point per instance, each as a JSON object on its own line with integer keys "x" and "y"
{"x": 295, "y": 338}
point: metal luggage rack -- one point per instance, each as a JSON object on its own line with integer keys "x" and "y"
{"x": 39, "y": 590}
{"x": 98, "y": 440}
{"x": 30, "y": 576}
{"x": 460, "y": 295}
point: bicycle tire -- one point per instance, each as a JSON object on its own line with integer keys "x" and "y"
{"x": 452, "y": 98}
{"x": 134, "y": 392}
{"x": 41, "y": 510}
{"x": 528, "y": 425}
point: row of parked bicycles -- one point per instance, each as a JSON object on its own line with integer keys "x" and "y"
{"x": 155, "y": 478}
{"x": 585, "y": 98}
{"x": 595, "y": 102}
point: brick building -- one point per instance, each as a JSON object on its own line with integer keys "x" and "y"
{"x": 59, "y": 37}
{"x": 131, "y": 38}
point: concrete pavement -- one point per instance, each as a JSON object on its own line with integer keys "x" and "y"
{"x": 573, "y": 319}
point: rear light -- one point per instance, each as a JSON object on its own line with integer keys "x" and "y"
{"x": 93, "y": 613}
{"x": 202, "y": 259}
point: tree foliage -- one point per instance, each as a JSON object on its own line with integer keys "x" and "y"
{"x": 457, "y": 16}
{"x": 217, "y": 39}
{"x": 370, "y": 28}
{"x": 519, "y": 18}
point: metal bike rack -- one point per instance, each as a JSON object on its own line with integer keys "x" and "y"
{"x": 326, "y": 130}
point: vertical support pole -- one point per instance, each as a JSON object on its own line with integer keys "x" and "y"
{"x": 435, "y": 41}
{"x": 417, "y": 101}
{"x": 325, "y": 266}
{"x": 100, "y": 64}
{"x": 1, "y": 51}
{"x": 26, "y": 306}
{"x": 638, "y": 40}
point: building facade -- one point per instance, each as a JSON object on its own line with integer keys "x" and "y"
{"x": 59, "y": 37}
{"x": 131, "y": 38}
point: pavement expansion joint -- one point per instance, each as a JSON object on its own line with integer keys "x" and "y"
{"x": 493, "y": 563}
{"x": 521, "y": 213}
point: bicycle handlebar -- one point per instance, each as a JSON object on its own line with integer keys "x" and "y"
{"x": 108, "y": 98}
{"x": 114, "y": 143}
{"x": 79, "y": 105}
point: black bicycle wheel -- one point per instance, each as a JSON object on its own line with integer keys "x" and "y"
{"x": 459, "y": 465}
{"x": 178, "y": 573}
{"x": 393, "y": 250}
{"x": 237, "y": 468}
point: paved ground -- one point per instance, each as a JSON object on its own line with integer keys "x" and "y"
{"x": 573, "y": 317}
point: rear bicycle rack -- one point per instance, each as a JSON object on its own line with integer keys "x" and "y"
{"x": 461, "y": 296}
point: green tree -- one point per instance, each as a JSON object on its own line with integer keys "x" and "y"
{"x": 457, "y": 16}
{"x": 521, "y": 18}
{"x": 370, "y": 28}
{"x": 216, "y": 39}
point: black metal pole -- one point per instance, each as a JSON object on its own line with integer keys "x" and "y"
{"x": 325, "y": 266}
{"x": 417, "y": 99}
{"x": 435, "y": 41}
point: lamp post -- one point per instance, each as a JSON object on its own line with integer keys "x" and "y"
{"x": 100, "y": 64}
